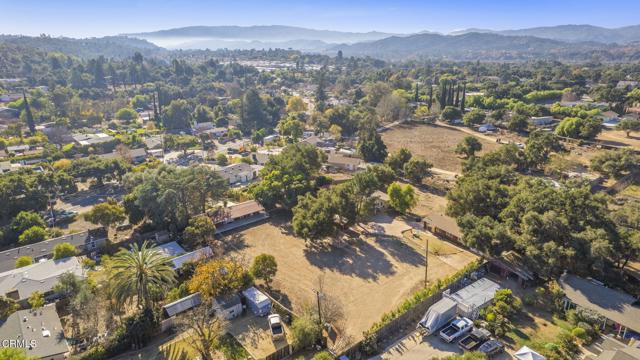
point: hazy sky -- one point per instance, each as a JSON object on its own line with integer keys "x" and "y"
{"x": 85, "y": 18}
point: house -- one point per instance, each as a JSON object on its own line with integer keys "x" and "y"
{"x": 237, "y": 215}
{"x": 613, "y": 306}
{"x": 86, "y": 242}
{"x": 344, "y": 163}
{"x": 38, "y": 332}
{"x": 17, "y": 149}
{"x": 7, "y": 166}
{"x": 91, "y": 139}
{"x": 609, "y": 117}
{"x": 319, "y": 142}
{"x": 19, "y": 284}
{"x": 541, "y": 121}
{"x": 136, "y": 156}
{"x": 171, "y": 249}
{"x": 227, "y": 307}
{"x": 153, "y": 142}
{"x": 270, "y": 138}
{"x": 182, "y": 305}
{"x": 626, "y": 85}
{"x": 511, "y": 265}
{"x": 200, "y": 128}
{"x": 238, "y": 173}
{"x": 218, "y": 132}
{"x": 443, "y": 226}
{"x": 194, "y": 256}
{"x": 10, "y": 97}
{"x": 9, "y": 113}
{"x": 380, "y": 200}
{"x": 262, "y": 156}
{"x": 487, "y": 128}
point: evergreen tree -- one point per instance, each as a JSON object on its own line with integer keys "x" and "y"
{"x": 98, "y": 73}
{"x": 416, "y": 95}
{"x": 457, "y": 95}
{"x": 28, "y": 115}
{"x": 462, "y": 101}
{"x": 370, "y": 144}
{"x": 252, "y": 115}
{"x": 430, "y": 95}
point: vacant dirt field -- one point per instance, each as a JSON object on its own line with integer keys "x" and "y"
{"x": 434, "y": 143}
{"x": 367, "y": 277}
{"x": 619, "y": 138}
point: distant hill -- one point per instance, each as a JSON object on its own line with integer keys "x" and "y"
{"x": 110, "y": 46}
{"x": 572, "y": 33}
{"x": 265, "y": 36}
{"x": 484, "y": 46}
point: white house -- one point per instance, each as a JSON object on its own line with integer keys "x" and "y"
{"x": 238, "y": 173}
{"x": 228, "y": 307}
{"x": 341, "y": 162}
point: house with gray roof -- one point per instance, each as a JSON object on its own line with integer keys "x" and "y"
{"x": 613, "y": 306}
{"x": 19, "y": 284}
{"x": 38, "y": 332}
{"x": 86, "y": 242}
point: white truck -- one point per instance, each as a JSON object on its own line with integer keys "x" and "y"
{"x": 277, "y": 329}
{"x": 456, "y": 328}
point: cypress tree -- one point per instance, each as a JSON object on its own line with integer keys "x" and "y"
{"x": 450, "y": 96}
{"x": 464, "y": 92}
{"x": 430, "y": 95}
{"x": 28, "y": 115}
{"x": 457, "y": 95}
{"x": 416, "y": 96}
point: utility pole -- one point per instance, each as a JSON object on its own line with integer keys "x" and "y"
{"x": 318, "y": 295}
{"x": 426, "y": 263}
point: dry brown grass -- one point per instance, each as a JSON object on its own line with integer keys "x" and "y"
{"x": 434, "y": 143}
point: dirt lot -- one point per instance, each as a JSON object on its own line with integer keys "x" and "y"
{"x": 435, "y": 143}
{"x": 619, "y": 138}
{"x": 368, "y": 277}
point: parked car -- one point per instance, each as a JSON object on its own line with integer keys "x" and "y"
{"x": 456, "y": 328}
{"x": 476, "y": 337}
{"x": 491, "y": 347}
{"x": 277, "y": 329}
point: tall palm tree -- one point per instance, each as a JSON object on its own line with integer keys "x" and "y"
{"x": 134, "y": 272}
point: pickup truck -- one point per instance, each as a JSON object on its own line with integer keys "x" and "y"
{"x": 456, "y": 328}
{"x": 491, "y": 347}
{"x": 275, "y": 323}
{"x": 476, "y": 337}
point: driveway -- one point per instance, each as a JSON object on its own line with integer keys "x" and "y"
{"x": 416, "y": 347}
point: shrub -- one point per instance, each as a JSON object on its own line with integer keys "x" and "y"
{"x": 323, "y": 355}
{"x": 580, "y": 333}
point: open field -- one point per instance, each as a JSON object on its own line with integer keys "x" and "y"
{"x": 434, "y": 143}
{"x": 368, "y": 277}
{"x": 619, "y": 138}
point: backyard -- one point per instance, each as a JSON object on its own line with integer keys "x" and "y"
{"x": 368, "y": 276}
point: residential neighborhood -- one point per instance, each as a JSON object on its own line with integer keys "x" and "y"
{"x": 274, "y": 192}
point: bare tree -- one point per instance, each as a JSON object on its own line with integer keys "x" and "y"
{"x": 203, "y": 330}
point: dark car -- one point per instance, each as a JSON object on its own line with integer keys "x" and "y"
{"x": 491, "y": 347}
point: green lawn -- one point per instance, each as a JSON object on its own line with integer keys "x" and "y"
{"x": 535, "y": 328}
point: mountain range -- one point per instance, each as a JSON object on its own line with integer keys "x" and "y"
{"x": 246, "y": 37}
{"x": 565, "y": 43}
{"x": 571, "y": 33}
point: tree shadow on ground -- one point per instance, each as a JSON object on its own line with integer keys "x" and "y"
{"x": 360, "y": 259}
{"x": 280, "y": 297}
{"x": 234, "y": 241}
{"x": 399, "y": 250}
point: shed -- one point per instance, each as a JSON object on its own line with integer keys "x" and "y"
{"x": 228, "y": 306}
{"x": 181, "y": 305}
{"x": 474, "y": 297}
{"x": 258, "y": 302}
{"x": 511, "y": 265}
{"x": 438, "y": 315}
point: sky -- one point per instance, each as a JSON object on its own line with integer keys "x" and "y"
{"x": 91, "y": 18}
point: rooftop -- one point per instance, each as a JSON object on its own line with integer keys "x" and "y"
{"x": 45, "y": 248}
{"x": 184, "y": 304}
{"x": 193, "y": 256}
{"x": 41, "y": 276}
{"x": 613, "y": 304}
{"x": 41, "y": 327}
{"x": 343, "y": 160}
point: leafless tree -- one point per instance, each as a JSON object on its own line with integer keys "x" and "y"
{"x": 203, "y": 330}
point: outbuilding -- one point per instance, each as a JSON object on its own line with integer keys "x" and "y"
{"x": 228, "y": 306}
{"x": 257, "y": 302}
